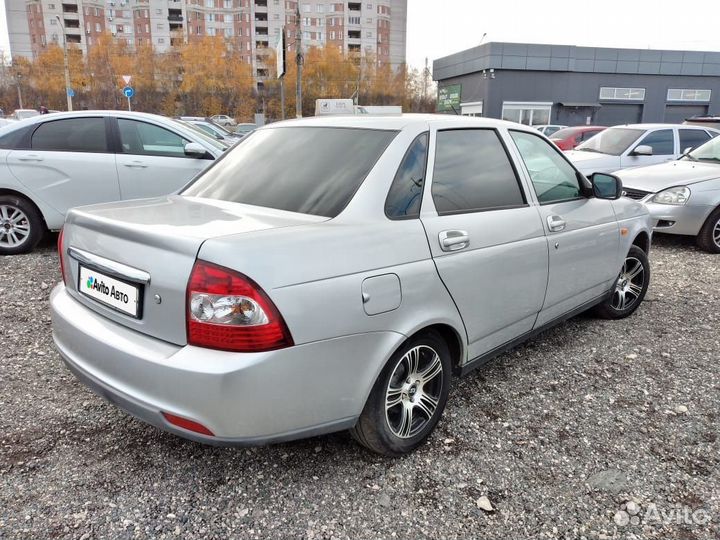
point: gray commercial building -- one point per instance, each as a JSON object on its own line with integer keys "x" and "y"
{"x": 569, "y": 85}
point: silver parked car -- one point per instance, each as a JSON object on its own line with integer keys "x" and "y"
{"x": 637, "y": 145}
{"x": 683, "y": 196}
{"x": 51, "y": 163}
{"x": 274, "y": 299}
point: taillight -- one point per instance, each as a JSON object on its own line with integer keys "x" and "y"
{"x": 227, "y": 310}
{"x": 60, "y": 254}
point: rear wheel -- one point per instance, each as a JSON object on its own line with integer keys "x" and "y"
{"x": 630, "y": 287}
{"x": 408, "y": 398}
{"x": 21, "y": 226}
{"x": 709, "y": 237}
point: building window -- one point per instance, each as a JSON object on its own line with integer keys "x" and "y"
{"x": 209, "y": 3}
{"x": 53, "y": 21}
{"x": 228, "y": 4}
{"x": 686, "y": 94}
{"x": 276, "y": 16}
{"x": 161, "y": 40}
{"x": 474, "y": 108}
{"x": 98, "y": 28}
{"x": 306, "y": 8}
{"x": 530, "y": 114}
{"x": 353, "y": 20}
{"x": 51, "y": 6}
{"x": 320, "y": 8}
{"x": 97, "y": 11}
{"x": 631, "y": 94}
{"x": 158, "y": 12}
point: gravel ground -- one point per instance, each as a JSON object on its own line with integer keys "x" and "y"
{"x": 590, "y": 425}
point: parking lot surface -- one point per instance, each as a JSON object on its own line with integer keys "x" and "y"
{"x": 595, "y": 429}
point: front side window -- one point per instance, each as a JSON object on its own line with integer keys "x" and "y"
{"x": 147, "y": 139}
{"x": 405, "y": 195}
{"x": 71, "y": 135}
{"x": 661, "y": 141}
{"x": 553, "y": 178}
{"x": 311, "y": 170}
{"x": 473, "y": 172}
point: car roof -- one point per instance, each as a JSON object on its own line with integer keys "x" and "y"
{"x": 654, "y": 126}
{"x": 398, "y": 122}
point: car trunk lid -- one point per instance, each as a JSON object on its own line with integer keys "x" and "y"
{"x": 148, "y": 248}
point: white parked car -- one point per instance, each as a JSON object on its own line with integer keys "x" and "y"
{"x": 223, "y": 120}
{"x": 549, "y": 129}
{"x": 51, "y": 163}
{"x": 637, "y": 145}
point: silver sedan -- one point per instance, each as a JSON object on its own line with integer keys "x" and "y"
{"x": 334, "y": 273}
{"x": 683, "y": 196}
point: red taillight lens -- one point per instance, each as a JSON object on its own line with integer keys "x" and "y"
{"x": 227, "y": 310}
{"x": 184, "y": 423}
{"x": 60, "y": 254}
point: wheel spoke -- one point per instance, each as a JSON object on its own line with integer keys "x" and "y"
{"x": 405, "y": 421}
{"x": 433, "y": 370}
{"x": 638, "y": 268}
{"x": 412, "y": 358}
{"x": 393, "y": 397}
{"x": 427, "y": 404}
{"x": 3, "y": 212}
{"x": 635, "y": 290}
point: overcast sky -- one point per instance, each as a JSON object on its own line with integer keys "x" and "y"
{"x": 437, "y": 28}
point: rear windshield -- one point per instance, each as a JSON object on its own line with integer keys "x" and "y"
{"x": 311, "y": 170}
{"x": 566, "y": 132}
{"x": 612, "y": 141}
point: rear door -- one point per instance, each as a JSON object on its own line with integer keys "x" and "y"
{"x": 151, "y": 160}
{"x": 582, "y": 232}
{"x": 68, "y": 163}
{"x": 487, "y": 241}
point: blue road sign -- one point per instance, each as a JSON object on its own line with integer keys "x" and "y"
{"x": 128, "y": 92}
{"x": 71, "y": 92}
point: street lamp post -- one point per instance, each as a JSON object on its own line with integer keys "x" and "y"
{"x": 65, "y": 62}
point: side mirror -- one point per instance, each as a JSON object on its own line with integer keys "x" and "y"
{"x": 643, "y": 150}
{"x": 195, "y": 150}
{"x": 606, "y": 186}
{"x": 687, "y": 150}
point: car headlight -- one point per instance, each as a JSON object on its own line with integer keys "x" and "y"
{"x": 675, "y": 195}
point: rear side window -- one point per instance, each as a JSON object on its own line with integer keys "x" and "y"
{"x": 473, "y": 172}
{"x": 662, "y": 142}
{"x": 12, "y": 139}
{"x": 405, "y": 195}
{"x": 692, "y": 138}
{"x": 142, "y": 138}
{"x": 71, "y": 135}
{"x": 311, "y": 170}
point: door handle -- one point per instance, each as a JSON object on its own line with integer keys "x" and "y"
{"x": 555, "y": 223}
{"x": 454, "y": 240}
{"x": 136, "y": 164}
{"x": 30, "y": 157}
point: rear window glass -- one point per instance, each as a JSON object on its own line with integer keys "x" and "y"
{"x": 311, "y": 170}
{"x": 11, "y": 139}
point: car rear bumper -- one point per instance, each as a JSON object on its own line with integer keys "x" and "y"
{"x": 687, "y": 219}
{"x": 242, "y": 398}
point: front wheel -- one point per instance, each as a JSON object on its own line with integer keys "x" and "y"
{"x": 709, "y": 237}
{"x": 408, "y": 397}
{"x": 630, "y": 287}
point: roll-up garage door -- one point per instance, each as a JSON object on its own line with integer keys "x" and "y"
{"x": 675, "y": 114}
{"x": 614, "y": 114}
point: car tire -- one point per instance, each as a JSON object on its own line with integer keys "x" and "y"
{"x": 709, "y": 237}
{"x": 630, "y": 287}
{"x": 21, "y": 225}
{"x": 416, "y": 383}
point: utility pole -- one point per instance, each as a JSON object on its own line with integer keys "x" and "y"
{"x": 67, "y": 67}
{"x": 425, "y": 79}
{"x": 299, "y": 61}
{"x": 18, "y": 78}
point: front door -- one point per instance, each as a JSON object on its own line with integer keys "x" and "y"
{"x": 487, "y": 242}
{"x": 582, "y": 232}
{"x": 152, "y": 160}
{"x": 662, "y": 142}
{"x": 68, "y": 164}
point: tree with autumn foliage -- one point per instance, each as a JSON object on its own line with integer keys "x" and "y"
{"x": 204, "y": 77}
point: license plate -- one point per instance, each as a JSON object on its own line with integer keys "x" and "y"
{"x": 112, "y": 292}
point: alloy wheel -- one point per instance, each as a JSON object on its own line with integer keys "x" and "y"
{"x": 629, "y": 285}
{"x": 716, "y": 233}
{"x": 14, "y": 226}
{"x": 414, "y": 391}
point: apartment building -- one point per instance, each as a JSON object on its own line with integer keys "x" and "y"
{"x": 371, "y": 27}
